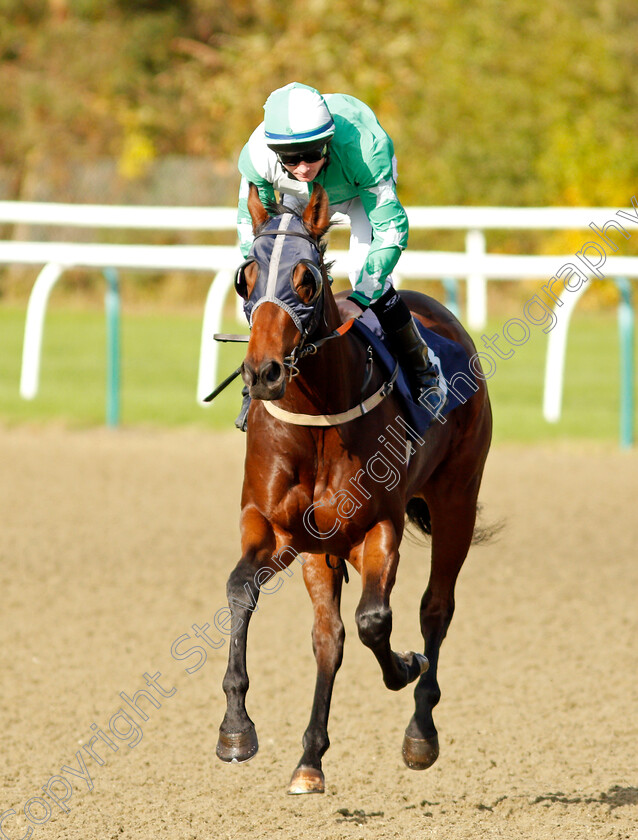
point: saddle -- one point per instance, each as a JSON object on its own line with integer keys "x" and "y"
{"x": 448, "y": 357}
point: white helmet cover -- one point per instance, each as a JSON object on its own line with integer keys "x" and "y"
{"x": 297, "y": 116}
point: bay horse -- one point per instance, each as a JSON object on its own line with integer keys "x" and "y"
{"x": 304, "y": 491}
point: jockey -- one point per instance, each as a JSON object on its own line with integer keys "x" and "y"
{"x": 336, "y": 141}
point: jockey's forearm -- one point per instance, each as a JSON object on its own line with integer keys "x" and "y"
{"x": 378, "y": 266}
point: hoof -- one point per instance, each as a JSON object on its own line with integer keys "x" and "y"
{"x": 422, "y": 662}
{"x": 307, "y": 780}
{"x": 238, "y": 747}
{"x": 417, "y": 663}
{"x": 420, "y": 753}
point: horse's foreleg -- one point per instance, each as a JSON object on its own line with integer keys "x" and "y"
{"x": 452, "y": 529}
{"x": 374, "y": 616}
{"x": 324, "y": 587}
{"x": 237, "y": 736}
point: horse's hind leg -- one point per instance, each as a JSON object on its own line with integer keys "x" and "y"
{"x": 453, "y": 517}
{"x": 324, "y": 586}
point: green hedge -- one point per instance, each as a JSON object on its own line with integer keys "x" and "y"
{"x": 517, "y": 102}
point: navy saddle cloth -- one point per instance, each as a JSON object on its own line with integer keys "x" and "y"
{"x": 448, "y": 356}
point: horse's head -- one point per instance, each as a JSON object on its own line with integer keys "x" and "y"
{"x": 282, "y": 284}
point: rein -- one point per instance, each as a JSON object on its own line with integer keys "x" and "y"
{"x": 301, "y": 350}
{"x": 365, "y": 406}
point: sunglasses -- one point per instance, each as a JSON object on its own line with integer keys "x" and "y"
{"x": 295, "y": 158}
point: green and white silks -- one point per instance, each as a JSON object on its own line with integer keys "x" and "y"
{"x": 360, "y": 180}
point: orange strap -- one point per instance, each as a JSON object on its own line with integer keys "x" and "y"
{"x": 343, "y": 329}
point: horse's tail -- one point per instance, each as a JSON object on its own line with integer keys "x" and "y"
{"x": 418, "y": 515}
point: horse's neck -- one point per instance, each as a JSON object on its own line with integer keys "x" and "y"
{"x": 328, "y": 381}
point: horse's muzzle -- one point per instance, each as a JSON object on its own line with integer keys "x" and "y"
{"x": 268, "y": 382}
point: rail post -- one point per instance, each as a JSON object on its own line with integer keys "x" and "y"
{"x": 476, "y": 282}
{"x": 451, "y": 289}
{"x": 112, "y": 308}
{"x": 626, "y": 341}
{"x": 34, "y": 328}
{"x": 212, "y": 323}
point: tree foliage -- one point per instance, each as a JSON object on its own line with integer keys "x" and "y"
{"x": 493, "y": 102}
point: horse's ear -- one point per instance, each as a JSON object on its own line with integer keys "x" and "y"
{"x": 316, "y": 217}
{"x": 258, "y": 212}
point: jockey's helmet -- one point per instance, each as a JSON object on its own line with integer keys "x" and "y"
{"x": 296, "y": 118}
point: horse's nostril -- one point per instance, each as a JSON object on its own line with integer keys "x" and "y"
{"x": 272, "y": 373}
{"x": 248, "y": 374}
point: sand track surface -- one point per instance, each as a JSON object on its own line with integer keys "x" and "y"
{"x": 112, "y": 545}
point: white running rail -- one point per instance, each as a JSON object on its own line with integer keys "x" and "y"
{"x": 475, "y": 265}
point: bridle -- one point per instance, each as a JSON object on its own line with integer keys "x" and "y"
{"x": 303, "y": 348}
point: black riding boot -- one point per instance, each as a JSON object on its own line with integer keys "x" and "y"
{"x": 242, "y": 418}
{"x": 410, "y": 348}
{"x": 413, "y": 352}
